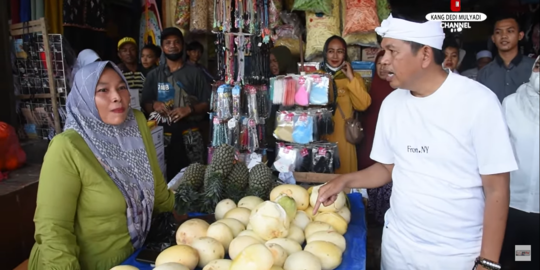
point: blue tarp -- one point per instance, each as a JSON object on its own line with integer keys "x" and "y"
{"x": 354, "y": 257}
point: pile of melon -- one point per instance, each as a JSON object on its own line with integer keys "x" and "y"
{"x": 279, "y": 234}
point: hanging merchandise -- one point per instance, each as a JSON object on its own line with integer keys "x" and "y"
{"x": 383, "y": 9}
{"x": 150, "y": 27}
{"x": 319, "y": 28}
{"x": 251, "y": 92}
{"x": 263, "y": 102}
{"x": 317, "y": 6}
{"x": 366, "y": 70}
{"x": 316, "y": 157}
{"x": 220, "y": 132}
{"x": 273, "y": 12}
{"x": 224, "y": 108}
{"x": 302, "y": 90}
{"x": 303, "y": 126}
{"x": 182, "y": 13}
{"x": 236, "y": 101}
{"x": 360, "y": 16}
{"x": 220, "y": 56}
{"x": 210, "y": 14}
{"x": 362, "y": 39}
{"x": 198, "y": 16}
{"x": 309, "y": 67}
{"x": 289, "y": 33}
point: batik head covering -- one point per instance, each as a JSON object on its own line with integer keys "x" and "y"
{"x": 120, "y": 149}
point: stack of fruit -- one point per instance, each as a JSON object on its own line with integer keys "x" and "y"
{"x": 202, "y": 187}
{"x": 265, "y": 235}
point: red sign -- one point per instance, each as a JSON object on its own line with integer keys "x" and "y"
{"x": 455, "y": 5}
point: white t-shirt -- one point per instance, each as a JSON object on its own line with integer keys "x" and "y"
{"x": 525, "y": 134}
{"x": 440, "y": 145}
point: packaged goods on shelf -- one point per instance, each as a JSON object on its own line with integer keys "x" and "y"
{"x": 320, "y": 157}
{"x": 301, "y": 90}
{"x": 319, "y": 28}
{"x": 303, "y": 126}
{"x": 366, "y": 70}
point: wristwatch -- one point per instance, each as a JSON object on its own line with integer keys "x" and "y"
{"x": 486, "y": 264}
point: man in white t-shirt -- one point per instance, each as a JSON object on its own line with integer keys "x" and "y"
{"x": 445, "y": 145}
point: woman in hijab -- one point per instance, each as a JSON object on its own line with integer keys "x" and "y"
{"x": 522, "y": 111}
{"x": 85, "y": 57}
{"x": 351, "y": 95}
{"x": 379, "y": 198}
{"x": 100, "y": 182}
{"x": 282, "y": 61}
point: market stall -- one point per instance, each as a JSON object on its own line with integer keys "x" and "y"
{"x": 312, "y": 231}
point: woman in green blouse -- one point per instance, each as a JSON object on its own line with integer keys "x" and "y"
{"x": 100, "y": 182}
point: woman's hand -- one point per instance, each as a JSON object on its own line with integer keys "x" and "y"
{"x": 160, "y": 107}
{"x": 179, "y": 113}
{"x": 347, "y": 69}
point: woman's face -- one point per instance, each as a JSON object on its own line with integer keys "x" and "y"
{"x": 381, "y": 72}
{"x": 335, "y": 55}
{"x": 112, "y": 98}
{"x": 148, "y": 58}
{"x": 274, "y": 65}
{"x": 452, "y": 58}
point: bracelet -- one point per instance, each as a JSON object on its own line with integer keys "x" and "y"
{"x": 486, "y": 264}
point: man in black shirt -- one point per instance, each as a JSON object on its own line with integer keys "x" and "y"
{"x": 181, "y": 93}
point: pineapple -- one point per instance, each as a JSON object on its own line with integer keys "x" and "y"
{"x": 223, "y": 160}
{"x": 260, "y": 181}
{"x": 185, "y": 199}
{"x": 236, "y": 182}
{"x": 213, "y": 190}
{"x": 186, "y": 194}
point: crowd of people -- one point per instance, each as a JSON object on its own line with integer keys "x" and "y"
{"x": 450, "y": 161}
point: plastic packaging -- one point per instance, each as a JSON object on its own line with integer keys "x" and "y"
{"x": 12, "y": 155}
{"x": 319, "y": 89}
{"x": 251, "y": 92}
{"x": 304, "y": 161}
{"x": 366, "y": 70}
{"x": 236, "y": 101}
{"x": 224, "y": 109}
{"x": 323, "y": 160}
{"x": 253, "y": 139}
{"x": 263, "y": 102}
{"x": 383, "y": 9}
{"x": 319, "y": 29}
{"x": 162, "y": 232}
{"x": 198, "y": 16}
{"x": 274, "y": 9}
{"x": 360, "y": 16}
{"x": 182, "y": 13}
{"x": 289, "y": 92}
{"x": 219, "y": 133}
{"x": 289, "y": 33}
{"x": 285, "y": 126}
{"x": 317, "y": 6}
{"x": 285, "y": 159}
{"x": 301, "y": 97}
{"x": 309, "y": 67}
{"x": 233, "y": 129}
{"x": 278, "y": 90}
{"x": 303, "y": 129}
{"x": 362, "y": 39}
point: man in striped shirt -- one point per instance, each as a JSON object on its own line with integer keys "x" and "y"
{"x": 133, "y": 71}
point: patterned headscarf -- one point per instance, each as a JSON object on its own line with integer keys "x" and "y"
{"x": 119, "y": 149}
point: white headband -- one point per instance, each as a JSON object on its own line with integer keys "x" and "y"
{"x": 482, "y": 54}
{"x": 429, "y": 33}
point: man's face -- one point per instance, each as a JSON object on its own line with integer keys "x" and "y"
{"x": 401, "y": 65}
{"x": 194, "y": 56}
{"x": 482, "y": 62}
{"x": 172, "y": 45}
{"x": 128, "y": 53}
{"x": 506, "y": 35}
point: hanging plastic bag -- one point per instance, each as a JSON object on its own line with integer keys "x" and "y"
{"x": 182, "y": 13}
{"x": 303, "y": 129}
{"x": 12, "y": 155}
{"x": 198, "y": 16}
{"x": 317, "y": 6}
{"x": 285, "y": 126}
{"x": 362, "y": 39}
{"x": 318, "y": 94}
{"x": 360, "y": 16}
{"x": 319, "y": 28}
{"x": 383, "y": 9}
{"x": 275, "y": 7}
